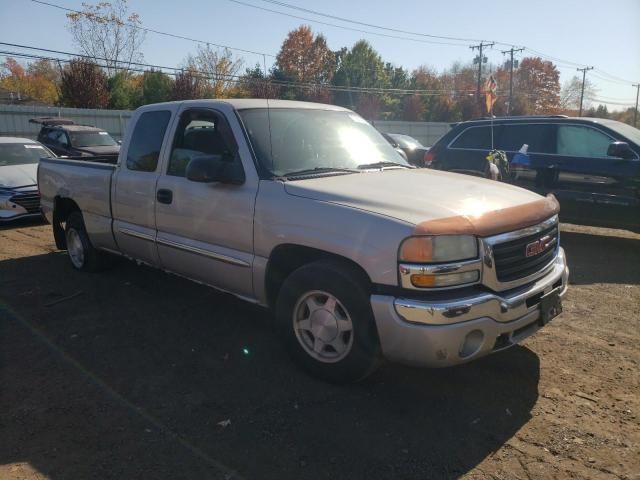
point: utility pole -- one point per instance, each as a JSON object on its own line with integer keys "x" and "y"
{"x": 635, "y": 114}
{"x": 511, "y": 66}
{"x": 584, "y": 74}
{"x": 480, "y": 60}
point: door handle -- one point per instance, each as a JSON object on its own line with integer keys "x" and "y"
{"x": 164, "y": 196}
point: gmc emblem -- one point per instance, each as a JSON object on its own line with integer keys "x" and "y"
{"x": 539, "y": 246}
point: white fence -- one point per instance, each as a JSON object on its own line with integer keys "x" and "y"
{"x": 14, "y": 119}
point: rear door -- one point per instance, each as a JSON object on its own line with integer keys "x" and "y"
{"x": 134, "y": 187}
{"x": 205, "y": 230}
{"x": 467, "y": 152}
{"x": 595, "y": 188}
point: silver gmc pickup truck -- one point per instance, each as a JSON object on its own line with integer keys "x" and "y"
{"x": 306, "y": 209}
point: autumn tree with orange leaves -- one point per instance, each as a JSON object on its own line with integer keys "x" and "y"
{"x": 306, "y": 58}
{"x": 38, "y": 81}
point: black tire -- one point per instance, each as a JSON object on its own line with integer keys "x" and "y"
{"x": 347, "y": 285}
{"x": 91, "y": 259}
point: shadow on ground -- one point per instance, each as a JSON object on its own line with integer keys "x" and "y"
{"x": 21, "y": 223}
{"x": 595, "y": 258}
{"x": 127, "y": 374}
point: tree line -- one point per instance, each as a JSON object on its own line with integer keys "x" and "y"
{"x": 109, "y": 74}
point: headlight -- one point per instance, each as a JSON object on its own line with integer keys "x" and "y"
{"x": 438, "y": 249}
{"x": 439, "y": 261}
{"x": 4, "y": 200}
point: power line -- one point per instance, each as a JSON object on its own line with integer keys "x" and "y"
{"x": 343, "y": 19}
{"x": 306, "y": 19}
{"x": 158, "y": 32}
{"x": 238, "y": 79}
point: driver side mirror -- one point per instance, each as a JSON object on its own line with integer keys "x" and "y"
{"x": 215, "y": 168}
{"x": 620, "y": 150}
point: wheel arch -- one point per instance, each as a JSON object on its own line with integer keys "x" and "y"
{"x": 286, "y": 258}
{"x": 62, "y": 208}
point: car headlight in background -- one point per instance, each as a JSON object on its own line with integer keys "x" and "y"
{"x": 439, "y": 261}
{"x": 4, "y": 200}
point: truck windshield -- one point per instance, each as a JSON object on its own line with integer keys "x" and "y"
{"x": 91, "y": 139}
{"x": 21, "y": 153}
{"x": 290, "y": 140}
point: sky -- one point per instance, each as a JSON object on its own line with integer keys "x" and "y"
{"x": 603, "y": 34}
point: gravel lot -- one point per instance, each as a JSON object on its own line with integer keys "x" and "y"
{"x": 133, "y": 373}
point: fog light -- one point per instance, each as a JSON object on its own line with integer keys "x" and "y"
{"x": 472, "y": 343}
{"x": 445, "y": 280}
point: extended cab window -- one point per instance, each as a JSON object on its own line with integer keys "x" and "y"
{"x": 200, "y": 132}
{"x": 579, "y": 141}
{"x": 146, "y": 141}
{"x": 474, "y": 137}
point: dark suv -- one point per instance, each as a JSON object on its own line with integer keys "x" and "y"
{"x": 65, "y": 138}
{"x": 591, "y": 165}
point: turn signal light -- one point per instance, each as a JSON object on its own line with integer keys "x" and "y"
{"x": 422, "y": 280}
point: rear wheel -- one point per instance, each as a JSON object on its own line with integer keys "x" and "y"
{"x": 325, "y": 318}
{"x": 82, "y": 255}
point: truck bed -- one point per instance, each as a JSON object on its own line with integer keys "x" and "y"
{"x": 86, "y": 182}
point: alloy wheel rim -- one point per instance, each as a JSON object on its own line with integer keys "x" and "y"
{"x": 323, "y": 326}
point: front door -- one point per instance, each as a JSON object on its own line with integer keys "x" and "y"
{"x": 597, "y": 189}
{"x": 205, "y": 230}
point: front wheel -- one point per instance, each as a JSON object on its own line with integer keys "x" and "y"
{"x": 325, "y": 318}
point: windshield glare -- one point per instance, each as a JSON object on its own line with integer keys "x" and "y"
{"x": 21, "y": 153}
{"x": 91, "y": 139}
{"x": 303, "y": 139}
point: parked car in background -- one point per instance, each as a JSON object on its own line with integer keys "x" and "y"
{"x": 306, "y": 209}
{"x": 413, "y": 149}
{"x": 19, "y": 196}
{"x": 394, "y": 143}
{"x": 591, "y": 165}
{"x": 65, "y": 138}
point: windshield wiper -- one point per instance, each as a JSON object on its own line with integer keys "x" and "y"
{"x": 316, "y": 170}
{"x": 364, "y": 166}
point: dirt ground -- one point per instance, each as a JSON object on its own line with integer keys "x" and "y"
{"x": 133, "y": 373}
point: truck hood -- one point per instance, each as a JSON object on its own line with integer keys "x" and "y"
{"x": 12, "y": 176}
{"x": 413, "y": 196}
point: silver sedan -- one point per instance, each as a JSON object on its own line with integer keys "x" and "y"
{"x": 19, "y": 197}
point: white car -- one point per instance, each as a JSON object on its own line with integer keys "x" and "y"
{"x": 19, "y": 197}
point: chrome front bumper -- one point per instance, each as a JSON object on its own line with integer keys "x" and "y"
{"x": 438, "y": 334}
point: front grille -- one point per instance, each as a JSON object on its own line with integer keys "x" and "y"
{"x": 511, "y": 261}
{"x": 29, "y": 201}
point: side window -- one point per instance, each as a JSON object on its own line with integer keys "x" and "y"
{"x": 582, "y": 141}
{"x": 474, "y": 137}
{"x": 53, "y": 136}
{"x": 63, "y": 139}
{"x": 539, "y": 137}
{"x": 146, "y": 141}
{"x": 200, "y": 132}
